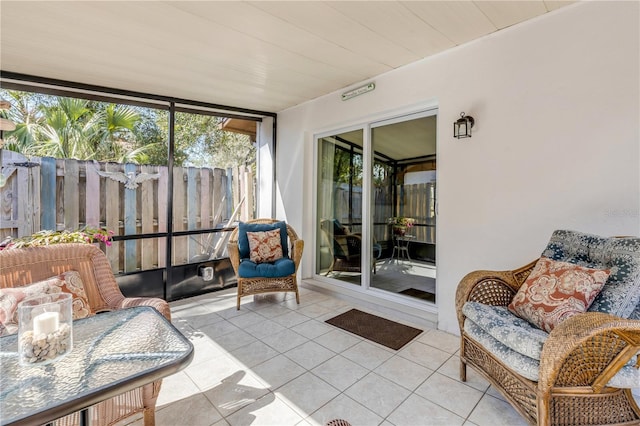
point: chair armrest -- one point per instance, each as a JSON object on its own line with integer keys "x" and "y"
{"x": 490, "y": 287}
{"x": 234, "y": 255}
{"x": 161, "y": 305}
{"x": 296, "y": 252}
{"x": 587, "y": 349}
{"x": 354, "y": 244}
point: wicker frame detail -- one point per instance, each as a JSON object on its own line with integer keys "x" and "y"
{"x": 20, "y": 267}
{"x": 258, "y": 285}
{"x": 579, "y": 357}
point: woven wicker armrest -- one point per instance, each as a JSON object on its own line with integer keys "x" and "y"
{"x": 234, "y": 255}
{"x": 161, "y": 305}
{"x": 296, "y": 252}
{"x": 490, "y": 287}
{"x": 587, "y": 350}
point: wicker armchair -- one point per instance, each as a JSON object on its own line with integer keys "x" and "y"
{"x": 578, "y": 359}
{"x": 257, "y": 285}
{"x": 20, "y": 267}
{"x": 345, "y": 247}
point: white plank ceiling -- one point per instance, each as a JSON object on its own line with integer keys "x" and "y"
{"x": 263, "y": 55}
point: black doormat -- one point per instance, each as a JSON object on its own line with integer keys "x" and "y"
{"x": 380, "y": 330}
{"x": 420, "y": 294}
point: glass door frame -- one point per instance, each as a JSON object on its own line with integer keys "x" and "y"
{"x": 367, "y": 179}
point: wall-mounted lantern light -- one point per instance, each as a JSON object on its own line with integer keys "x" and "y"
{"x": 462, "y": 126}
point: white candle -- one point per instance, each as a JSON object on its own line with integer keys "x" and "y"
{"x": 46, "y": 323}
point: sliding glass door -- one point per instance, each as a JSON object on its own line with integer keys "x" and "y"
{"x": 403, "y": 206}
{"x": 339, "y": 206}
{"x": 375, "y": 207}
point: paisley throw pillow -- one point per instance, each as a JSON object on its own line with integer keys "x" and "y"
{"x": 265, "y": 246}
{"x": 555, "y": 291}
{"x": 67, "y": 282}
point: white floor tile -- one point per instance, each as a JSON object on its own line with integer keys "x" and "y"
{"x": 234, "y": 340}
{"x": 338, "y": 340}
{"x": 340, "y": 372}
{"x": 235, "y": 392}
{"x": 367, "y": 354}
{"x": 403, "y": 372}
{"x": 492, "y": 411}
{"x": 285, "y": 340}
{"x": 277, "y": 371}
{"x": 314, "y": 311}
{"x": 267, "y": 411}
{"x": 312, "y": 329}
{"x": 451, "y": 368}
{"x": 380, "y": 395}
{"x": 254, "y": 353}
{"x": 195, "y": 410}
{"x": 290, "y": 319}
{"x": 309, "y": 354}
{"x": 345, "y": 408}
{"x": 272, "y": 311}
{"x": 200, "y": 320}
{"x": 219, "y": 328}
{"x": 439, "y": 339}
{"x": 306, "y": 393}
{"x": 246, "y": 320}
{"x": 450, "y": 394}
{"x": 418, "y": 411}
{"x": 264, "y": 328}
{"x": 425, "y": 355}
{"x": 176, "y": 387}
{"x": 204, "y": 348}
{"x": 211, "y": 372}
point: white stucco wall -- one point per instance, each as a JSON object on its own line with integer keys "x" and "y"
{"x": 556, "y": 142}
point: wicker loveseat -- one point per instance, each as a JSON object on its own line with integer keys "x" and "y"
{"x": 582, "y": 372}
{"x": 21, "y": 267}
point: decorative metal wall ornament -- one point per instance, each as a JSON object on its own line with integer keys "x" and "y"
{"x": 131, "y": 180}
{"x": 462, "y": 126}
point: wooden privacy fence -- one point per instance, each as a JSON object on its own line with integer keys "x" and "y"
{"x": 128, "y": 199}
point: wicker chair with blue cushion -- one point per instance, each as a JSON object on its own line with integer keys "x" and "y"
{"x": 582, "y": 371}
{"x": 268, "y": 276}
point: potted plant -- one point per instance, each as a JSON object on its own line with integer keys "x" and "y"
{"x": 400, "y": 224}
{"x": 86, "y": 235}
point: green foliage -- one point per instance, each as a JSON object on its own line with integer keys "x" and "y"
{"x": 89, "y": 130}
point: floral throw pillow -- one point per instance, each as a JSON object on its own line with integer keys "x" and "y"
{"x": 265, "y": 246}
{"x": 555, "y": 291}
{"x": 67, "y": 282}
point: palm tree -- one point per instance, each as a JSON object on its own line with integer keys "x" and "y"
{"x": 73, "y": 128}
{"x": 24, "y": 113}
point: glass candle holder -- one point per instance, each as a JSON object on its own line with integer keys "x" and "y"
{"x": 45, "y": 328}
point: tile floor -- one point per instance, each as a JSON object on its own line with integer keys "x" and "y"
{"x": 277, "y": 363}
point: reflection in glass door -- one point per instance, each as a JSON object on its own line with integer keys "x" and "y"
{"x": 339, "y": 206}
{"x": 403, "y": 206}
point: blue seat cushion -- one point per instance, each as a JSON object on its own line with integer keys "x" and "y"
{"x": 243, "y": 241}
{"x": 627, "y": 377}
{"x": 280, "y": 268}
{"x": 508, "y": 329}
{"x": 521, "y": 364}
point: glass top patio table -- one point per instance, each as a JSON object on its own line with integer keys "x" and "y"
{"x": 113, "y": 352}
